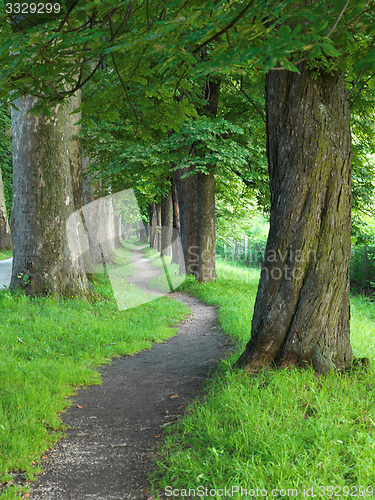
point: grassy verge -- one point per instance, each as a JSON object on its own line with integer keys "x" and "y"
{"x": 5, "y": 254}
{"x": 278, "y": 430}
{"x": 48, "y": 348}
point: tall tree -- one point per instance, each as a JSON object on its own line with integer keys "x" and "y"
{"x": 301, "y": 313}
{"x": 206, "y": 236}
{"x": 42, "y": 202}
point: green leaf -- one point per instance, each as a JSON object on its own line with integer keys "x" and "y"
{"x": 296, "y": 30}
{"x": 288, "y": 65}
{"x": 330, "y": 50}
{"x": 284, "y": 31}
{"x": 270, "y": 63}
{"x": 315, "y": 52}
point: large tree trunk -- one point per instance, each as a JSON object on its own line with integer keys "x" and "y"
{"x": 43, "y": 201}
{"x": 5, "y": 236}
{"x": 166, "y": 226}
{"x": 301, "y": 313}
{"x": 187, "y": 202}
{"x": 206, "y": 228}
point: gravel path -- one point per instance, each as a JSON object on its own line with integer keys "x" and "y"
{"x": 116, "y": 427}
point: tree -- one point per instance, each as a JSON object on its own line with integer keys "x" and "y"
{"x": 301, "y": 314}
{"x": 43, "y": 201}
{"x": 296, "y": 42}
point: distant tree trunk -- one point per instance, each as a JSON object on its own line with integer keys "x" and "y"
{"x": 92, "y": 213}
{"x": 43, "y": 201}
{"x": 206, "y": 237}
{"x": 206, "y": 228}
{"x": 187, "y": 202}
{"x": 143, "y": 232}
{"x": 153, "y": 221}
{"x": 166, "y": 226}
{"x": 126, "y": 231}
{"x": 108, "y": 229}
{"x": 301, "y": 314}
{"x": 158, "y": 226}
{"x": 117, "y": 231}
{"x": 5, "y": 236}
{"x": 75, "y": 150}
{"x": 176, "y": 226}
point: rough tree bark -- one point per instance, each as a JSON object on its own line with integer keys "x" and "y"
{"x": 5, "y": 236}
{"x": 92, "y": 214}
{"x": 187, "y": 201}
{"x": 42, "y": 203}
{"x": 206, "y": 228}
{"x": 75, "y": 150}
{"x": 301, "y": 314}
{"x": 166, "y": 226}
{"x": 206, "y": 237}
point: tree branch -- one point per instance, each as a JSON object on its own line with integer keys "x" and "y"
{"x": 338, "y": 19}
{"x": 224, "y": 30}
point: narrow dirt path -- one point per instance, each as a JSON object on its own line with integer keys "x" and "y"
{"x": 116, "y": 427}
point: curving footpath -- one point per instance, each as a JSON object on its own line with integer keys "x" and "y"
{"x": 115, "y": 428}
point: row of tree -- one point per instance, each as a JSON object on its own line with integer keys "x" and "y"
{"x": 170, "y": 94}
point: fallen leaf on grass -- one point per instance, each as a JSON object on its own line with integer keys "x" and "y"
{"x": 174, "y": 396}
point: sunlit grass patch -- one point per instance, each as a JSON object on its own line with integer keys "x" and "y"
{"x": 5, "y": 254}
{"x": 278, "y": 429}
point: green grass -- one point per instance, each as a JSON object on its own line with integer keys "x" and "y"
{"x": 48, "y": 348}
{"x": 5, "y": 254}
{"x": 285, "y": 429}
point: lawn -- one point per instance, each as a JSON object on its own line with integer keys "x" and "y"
{"x": 5, "y": 254}
{"x": 49, "y": 348}
{"x": 277, "y": 430}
